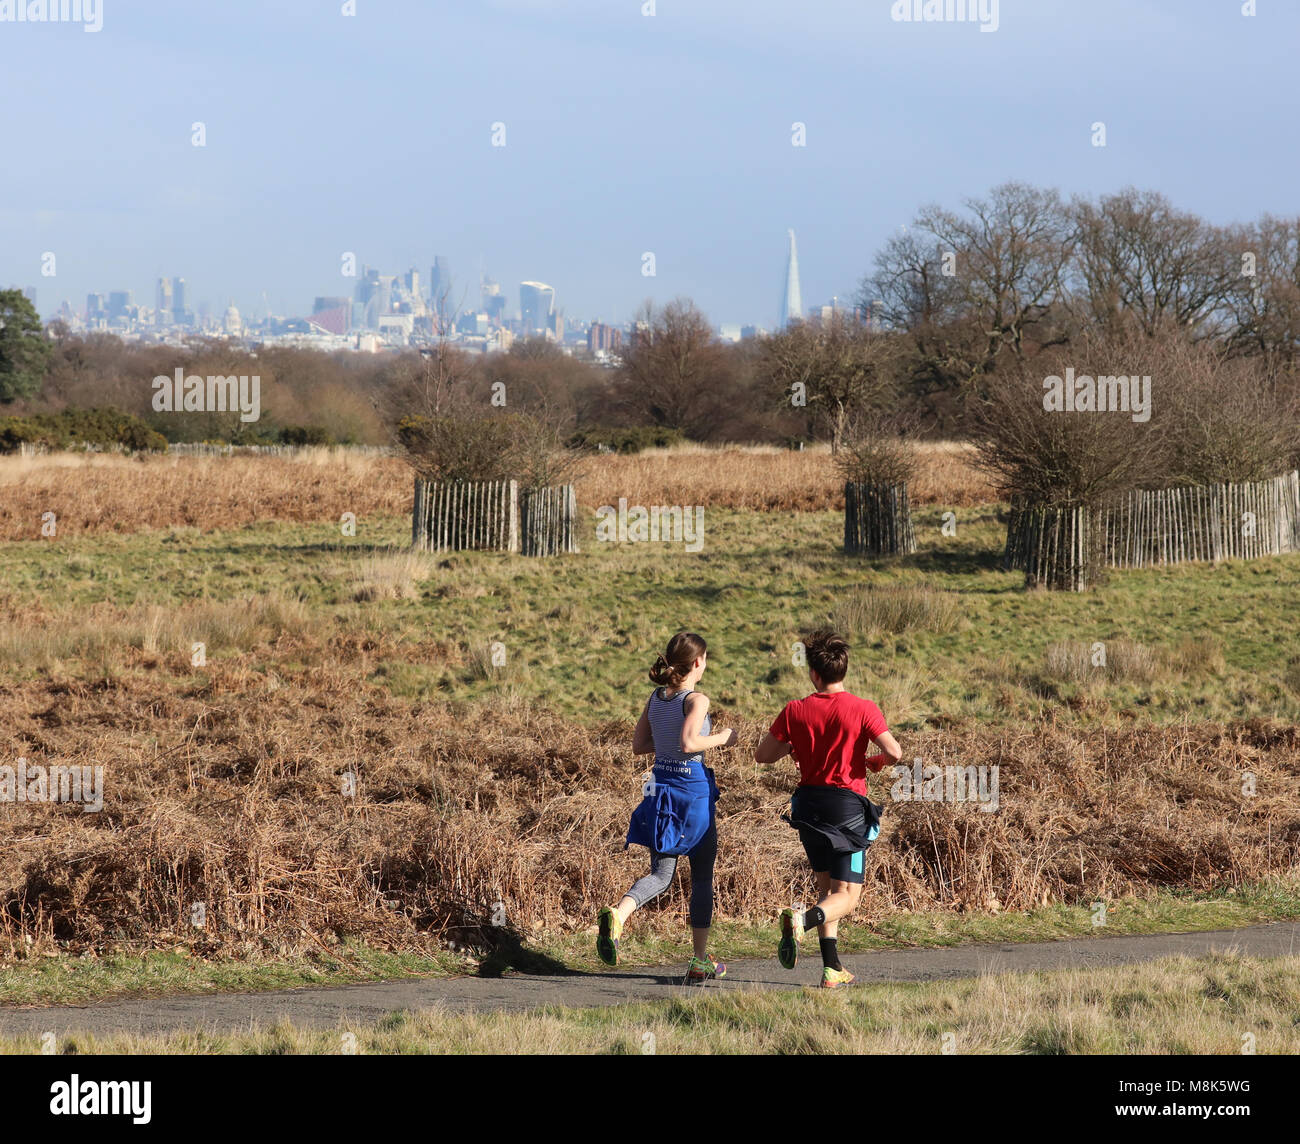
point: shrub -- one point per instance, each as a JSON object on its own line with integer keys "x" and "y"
{"x": 75, "y": 427}
{"x": 633, "y": 439}
{"x": 306, "y": 435}
{"x": 506, "y": 447}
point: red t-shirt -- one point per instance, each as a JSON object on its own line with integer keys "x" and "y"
{"x": 831, "y": 735}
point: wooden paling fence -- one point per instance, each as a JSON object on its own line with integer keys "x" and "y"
{"x": 548, "y": 521}
{"x": 1210, "y": 522}
{"x": 1051, "y": 544}
{"x": 877, "y": 520}
{"x": 497, "y": 516}
{"x": 1064, "y": 546}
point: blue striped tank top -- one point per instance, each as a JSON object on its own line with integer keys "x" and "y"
{"x": 666, "y": 719}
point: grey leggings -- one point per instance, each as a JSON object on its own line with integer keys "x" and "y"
{"x": 662, "y": 868}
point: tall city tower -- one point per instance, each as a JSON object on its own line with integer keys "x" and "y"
{"x": 792, "y": 302}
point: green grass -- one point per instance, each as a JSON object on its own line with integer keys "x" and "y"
{"x": 1179, "y": 1005}
{"x": 579, "y": 632}
{"x": 79, "y": 981}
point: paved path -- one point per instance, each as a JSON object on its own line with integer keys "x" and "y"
{"x": 354, "y": 1005}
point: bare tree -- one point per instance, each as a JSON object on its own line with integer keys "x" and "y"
{"x": 670, "y": 367}
{"x": 837, "y": 370}
{"x": 1263, "y": 299}
{"x": 1009, "y": 254}
{"x": 1140, "y": 261}
{"x": 1059, "y": 458}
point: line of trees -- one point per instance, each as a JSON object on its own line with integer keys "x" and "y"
{"x": 962, "y": 309}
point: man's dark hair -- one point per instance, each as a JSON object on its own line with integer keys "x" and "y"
{"x": 828, "y": 655}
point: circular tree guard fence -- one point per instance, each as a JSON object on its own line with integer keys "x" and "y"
{"x": 497, "y": 516}
{"x": 1065, "y": 546}
{"x": 877, "y": 520}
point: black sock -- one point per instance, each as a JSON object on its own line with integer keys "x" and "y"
{"x": 813, "y": 917}
{"x": 830, "y": 952}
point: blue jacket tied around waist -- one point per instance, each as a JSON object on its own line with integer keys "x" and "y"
{"x": 678, "y": 810}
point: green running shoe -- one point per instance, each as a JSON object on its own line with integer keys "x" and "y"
{"x": 611, "y": 929}
{"x": 702, "y": 969}
{"x": 787, "y": 951}
{"x": 835, "y": 978}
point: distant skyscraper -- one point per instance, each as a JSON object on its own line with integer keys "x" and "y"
{"x": 792, "y": 302}
{"x": 119, "y": 302}
{"x": 180, "y": 302}
{"x": 162, "y": 315}
{"x": 440, "y": 282}
{"x": 412, "y": 282}
{"x": 603, "y": 337}
{"x": 536, "y": 307}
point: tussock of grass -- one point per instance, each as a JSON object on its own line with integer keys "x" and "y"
{"x": 38, "y": 640}
{"x": 891, "y": 610}
{"x": 1125, "y": 661}
{"x": 393, "y": 574}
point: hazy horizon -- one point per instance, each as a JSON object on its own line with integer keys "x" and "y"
{"x": 625, "y": 134}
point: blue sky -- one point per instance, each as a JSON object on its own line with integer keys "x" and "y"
{"x": 625, "y": 133}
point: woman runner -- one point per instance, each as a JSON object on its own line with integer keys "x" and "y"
{"x": 676, "y": 817}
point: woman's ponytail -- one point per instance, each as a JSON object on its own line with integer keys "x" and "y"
{"x": 677, "y": 662}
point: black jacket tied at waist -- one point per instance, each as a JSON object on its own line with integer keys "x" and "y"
{"x": 845, "y": 819}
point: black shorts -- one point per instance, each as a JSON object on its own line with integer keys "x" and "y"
{"x": 824, "y": 860}
{"x": 837, "y": 808}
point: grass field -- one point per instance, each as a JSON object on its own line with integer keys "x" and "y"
{"x": 941, "y": 637}
{"x": 330, "y": 656}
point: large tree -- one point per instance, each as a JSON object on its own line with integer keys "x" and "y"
{"x": 1140, "y": 262}
{"x": 673, "y": 369}
{"x": 24, "y": 348}
{"x": 838, "y": 371}
{"x": 975, "y": 289}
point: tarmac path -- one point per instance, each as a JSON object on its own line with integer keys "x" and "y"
{"x": 351, "y": 1006}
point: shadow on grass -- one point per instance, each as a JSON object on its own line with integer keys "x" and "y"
{"x": 957, "y": 562}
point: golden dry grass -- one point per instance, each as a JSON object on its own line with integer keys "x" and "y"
{"x": 230, "y": 786}
{"x": 109, "y": 493}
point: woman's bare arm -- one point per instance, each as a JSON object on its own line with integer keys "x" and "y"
{"x": 697, "y": 707}
{"x": 642, "y": 740}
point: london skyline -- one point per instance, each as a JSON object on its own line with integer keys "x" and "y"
{"x": 564, "y": 140}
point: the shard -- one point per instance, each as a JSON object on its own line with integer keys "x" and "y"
{"x": 792, "y": 302}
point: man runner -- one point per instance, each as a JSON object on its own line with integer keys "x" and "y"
{"x": 828, "y": 733}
